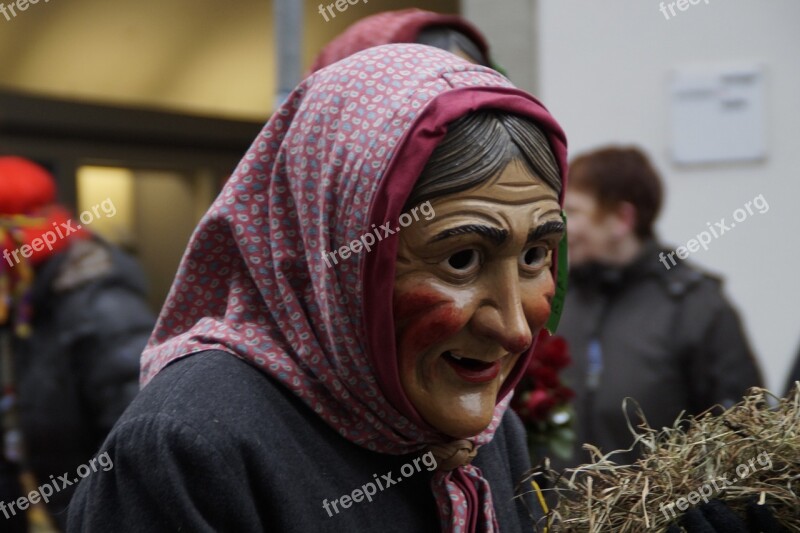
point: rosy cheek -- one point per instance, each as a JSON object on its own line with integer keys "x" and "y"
{"x": 424, "y": 319}
{"x": 537, "y": 314}
{"x": 537, "y": 308}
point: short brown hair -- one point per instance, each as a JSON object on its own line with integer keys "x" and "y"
{"x": 613, "y": 175}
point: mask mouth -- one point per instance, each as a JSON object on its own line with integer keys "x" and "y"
{"x": 472, "y": 370}
{"x": 466, "y": 362}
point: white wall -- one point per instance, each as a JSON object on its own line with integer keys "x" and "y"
{"x": 512, "y": 39}
{"x": 603, "y": 71}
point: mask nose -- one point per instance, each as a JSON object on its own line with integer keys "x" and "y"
{"x": 501, "y": 317}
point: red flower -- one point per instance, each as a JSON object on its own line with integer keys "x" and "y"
{"x": 530, "y": 371}
{"x": 538, "y": 404}
{"x": 545, "y": 377}
{"x": 563, "y": 394}
{"x": 541, "y": 390}
{"x": 552, "y": 351}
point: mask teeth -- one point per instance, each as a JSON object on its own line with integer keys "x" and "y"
{"x": 454, "y": 356}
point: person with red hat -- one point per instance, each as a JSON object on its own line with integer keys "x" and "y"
{"x": 73, "y": 323}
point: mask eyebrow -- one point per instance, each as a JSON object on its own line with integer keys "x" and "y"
{"x": 551, "y": 227}
{"x": 495, "y": 235}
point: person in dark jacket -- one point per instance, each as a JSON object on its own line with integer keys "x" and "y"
{"x": 73, "y": 323}
{"x": 350, "y": 318}
{"x": 666, "y": 337}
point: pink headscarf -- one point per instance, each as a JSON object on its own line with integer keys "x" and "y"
{"x": 389, "y": 27}
{"x": 341, "y": 155}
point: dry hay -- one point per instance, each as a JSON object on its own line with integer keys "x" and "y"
{"x": 606, "y": 497}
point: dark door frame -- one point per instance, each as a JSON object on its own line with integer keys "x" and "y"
{"x": 64, "y": 135}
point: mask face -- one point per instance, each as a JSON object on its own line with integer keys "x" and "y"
{"x": 472, "y": 290}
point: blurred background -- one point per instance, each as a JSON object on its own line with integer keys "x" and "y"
{"x": 152, "y": 103}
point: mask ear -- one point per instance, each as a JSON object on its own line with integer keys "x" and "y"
{"x": 557, "y": 306}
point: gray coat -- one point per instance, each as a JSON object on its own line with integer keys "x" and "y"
{"x": 212, "y": 444}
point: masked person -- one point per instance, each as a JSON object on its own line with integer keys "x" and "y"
{"x": 661, "y": 333}
{"x": 73, "y": 322}
{"x": 448, "y": 32}
{"x": 340, "y": 343}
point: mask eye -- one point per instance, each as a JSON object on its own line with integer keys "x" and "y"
{"x": 534, "y": 257}
{"x": 463, "y": 262}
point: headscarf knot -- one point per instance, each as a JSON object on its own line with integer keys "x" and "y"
{"x": 453, "y": 454}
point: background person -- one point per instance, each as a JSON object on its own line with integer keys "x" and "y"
{"x": 448, "y": 32}
{"x": 667, "y": 338}
{"x": 268, "y": 367}
{"x": 73, "y": 322}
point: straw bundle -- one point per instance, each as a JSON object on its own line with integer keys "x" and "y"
{"x": 750, "y": 450}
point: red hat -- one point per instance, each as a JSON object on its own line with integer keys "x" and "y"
{"x": 24, "y": 186}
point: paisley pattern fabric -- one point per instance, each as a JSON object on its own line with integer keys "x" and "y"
{"x": 335, "y": 162}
